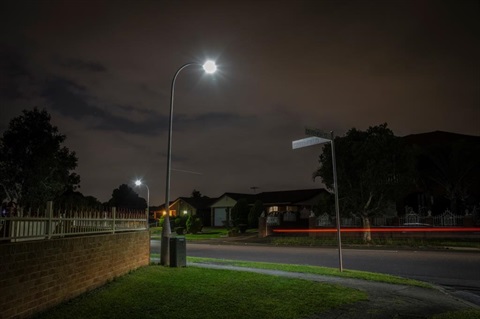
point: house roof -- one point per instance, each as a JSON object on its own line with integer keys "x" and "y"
{"x": 236, "y": 196}
{"x": 290, "y": 196}
{"x": 203, "y": 202}
{"x": 278, "y": 197}
{"x": 438, "y": 137}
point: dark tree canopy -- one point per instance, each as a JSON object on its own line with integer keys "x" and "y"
{"x": 325, "y": 204}
{"x": 373, "y": 168}
{"x": 255, "y": 211}
{"x": 196, "y": 194}
{"x": 240, "y": 212}
{"x": 125, "y": 197}
{"x": 451, "y": 170}
{"x": 76, "y": 200}
{"x": 34, "y": 166}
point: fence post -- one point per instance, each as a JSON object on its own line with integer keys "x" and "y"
{"x": 312, "y": 224}
{"x": 114, "y": 211}
{"x": 148, "y": 217}
{"x": 50, "y": 218}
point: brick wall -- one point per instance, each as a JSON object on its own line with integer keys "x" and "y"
{"x": 37, "y": 275}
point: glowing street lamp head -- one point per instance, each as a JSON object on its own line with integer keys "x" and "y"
{"x": 138, "y": 182}
{"x": 210, "y": 67}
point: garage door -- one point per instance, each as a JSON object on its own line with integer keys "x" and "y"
{"x": 220, "y": 215}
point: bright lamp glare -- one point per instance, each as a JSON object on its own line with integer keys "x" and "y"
{"x": 210, "y": 67}
{"x": 138, "y": 183}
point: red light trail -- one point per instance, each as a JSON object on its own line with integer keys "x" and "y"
{"x": 381, "y": 230}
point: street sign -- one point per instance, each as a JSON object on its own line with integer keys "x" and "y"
{"x": 317, "y": 133}
{"x": 308, "y": 141}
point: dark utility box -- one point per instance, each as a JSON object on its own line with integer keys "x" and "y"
{"x": 178, "y": 252}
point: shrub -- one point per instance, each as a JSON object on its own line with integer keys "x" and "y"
{"x": 180, "y": 221}
{"x": 240, "y": 212}
{"x": 193, "y": 224}
{"x": 242, "y": 228}
{"x": 160, "y": 221}
{"x": 179, "y": 230}
{"x": 255, "y": 213}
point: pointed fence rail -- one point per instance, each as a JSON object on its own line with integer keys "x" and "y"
{"x": 410, "y": 219}
{"x": 54, "y": 224}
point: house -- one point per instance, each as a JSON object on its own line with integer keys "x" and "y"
{"x": 195, "y": 206}
{"x": 220, "y": 208}
{"x": 291, "y": 204}
{"x": 292, "y": 200}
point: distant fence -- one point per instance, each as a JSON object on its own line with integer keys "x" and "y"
{"x": 55, "y": 224}
{"x": 410, "y": 219}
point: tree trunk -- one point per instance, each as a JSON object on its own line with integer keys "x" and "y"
{"x": 367, "y": 236}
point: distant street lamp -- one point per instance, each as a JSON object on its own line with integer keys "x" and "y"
{"x": 139, "y": 183}
{"x": 320, "y": 137}
{"x": 209, "y": 67}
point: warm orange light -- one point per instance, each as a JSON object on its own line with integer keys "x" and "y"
{"x": 381, "y": 230}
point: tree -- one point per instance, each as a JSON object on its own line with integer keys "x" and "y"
{"x": 75, "y": 200}
{"x": 374, "y": 167}
{"x": 325, "y": 204}
{"x": 125, "y": 197}
{"x": 240, "y": 212}
{"x": 255, "y": 213}
{"x": 196, "y": 194}
{"x": 452, "y": 168}
{"x": 34, "y": 166}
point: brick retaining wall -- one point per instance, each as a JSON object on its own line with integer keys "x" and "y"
{"x": 37, "y": 275}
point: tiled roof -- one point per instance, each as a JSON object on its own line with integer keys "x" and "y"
{"x": 289, "y": 197}
{"x": 438, "y": 137}
{"x": 278, "y": 197}
{"x": 199, "y": 203}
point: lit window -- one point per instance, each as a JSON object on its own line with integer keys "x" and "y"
{"x": 273, "y": 209}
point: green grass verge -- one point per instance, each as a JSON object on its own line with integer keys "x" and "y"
{"x": 197, "y": 293}
{"x": 315, "y": 270}
{"x": 462, "y": 314}
{"x": 207, "y": 233}
{"x": 441, "y": 243}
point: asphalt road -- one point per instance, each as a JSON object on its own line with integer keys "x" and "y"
{"x": 456, "y": 271}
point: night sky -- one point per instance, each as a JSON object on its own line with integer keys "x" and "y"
{"x": 103, "y": 70}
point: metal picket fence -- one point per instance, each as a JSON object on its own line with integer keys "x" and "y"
{"x": 55, "y": 224}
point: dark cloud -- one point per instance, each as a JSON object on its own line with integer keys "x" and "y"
{"x": 82, "y": 65}
{"x": 214, "y": 120}
{"x": 15, "y": 77}
{"x": 73, "y": 100}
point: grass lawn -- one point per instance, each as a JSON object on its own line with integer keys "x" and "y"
{"x": 207, "y": 233}
{"x": 174, "y": 293}
{"x": 384, "y": 242}
{"x": 365, "y": 275}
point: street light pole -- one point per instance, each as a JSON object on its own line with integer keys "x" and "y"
{"x": 139, "y": 183}
{"x": 337, "y": 209}
{"x": 209, "y": 67}
{"x": 319, "y": 137}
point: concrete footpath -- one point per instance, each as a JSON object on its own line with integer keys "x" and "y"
{"x": 384, "y": 300}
